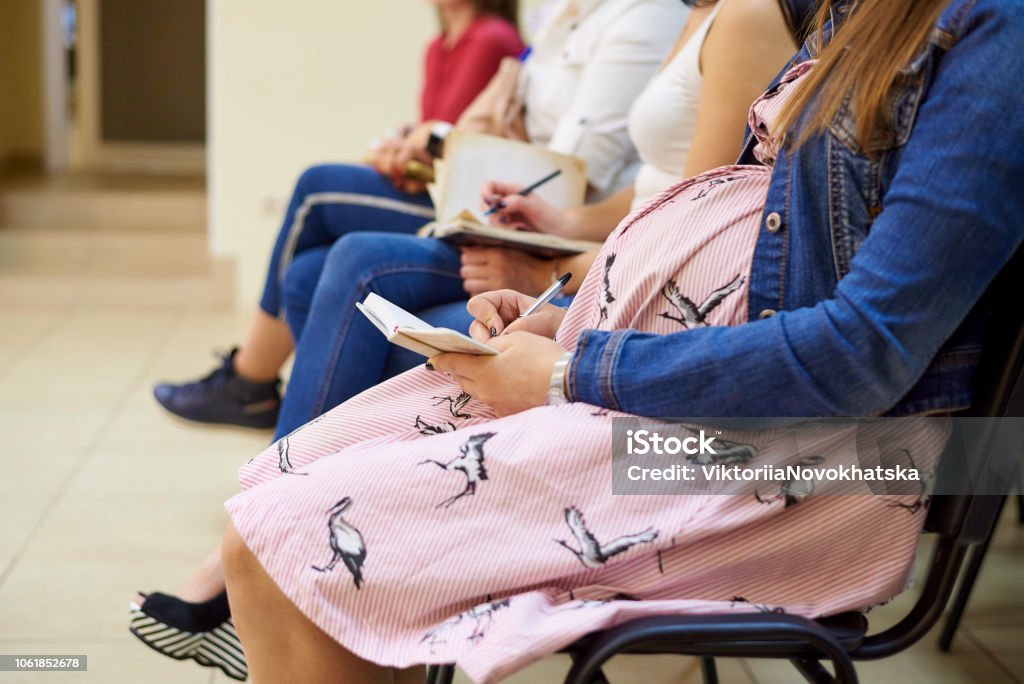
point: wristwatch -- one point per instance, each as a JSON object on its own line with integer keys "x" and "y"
{"x": 435, "y": 143}
{"x": 556, "y": 387}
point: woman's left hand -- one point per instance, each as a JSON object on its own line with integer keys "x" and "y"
{"x": 492, "y": 268}
{"x": 514, "y": 380}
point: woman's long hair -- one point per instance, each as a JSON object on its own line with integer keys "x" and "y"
{"x": 503, "y": 9}
{"x": 863, "y": 60}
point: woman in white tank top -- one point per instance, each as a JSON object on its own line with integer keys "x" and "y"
{"x": 689, "y": 118}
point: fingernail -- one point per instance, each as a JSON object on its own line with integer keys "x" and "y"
{"x": 429, "y": 366}
{"x": 494, "y": 331}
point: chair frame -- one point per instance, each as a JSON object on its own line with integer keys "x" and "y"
{"x": 961, "y": 523}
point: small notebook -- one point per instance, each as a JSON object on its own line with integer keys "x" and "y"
{"x": 466, "y": 229}
{"x": 405, "y": 330}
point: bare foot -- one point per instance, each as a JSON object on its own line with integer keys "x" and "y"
{"x": 205, "y": 583}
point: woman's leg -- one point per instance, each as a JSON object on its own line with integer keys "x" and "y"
{"x": 328, "y": 201}
{"x": 300, "y": 283}
{"x": 281, "y": 644}
{"x": 340, "y": 353}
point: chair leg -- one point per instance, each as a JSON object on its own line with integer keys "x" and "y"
{"x": 963, "y": 594}
{"x": 440, "y": 674}
{"x": 709, "y": 670}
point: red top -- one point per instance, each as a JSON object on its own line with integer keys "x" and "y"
{"x": 455, "y": 76}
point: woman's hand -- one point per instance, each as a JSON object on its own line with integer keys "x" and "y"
{"x": 391, "y": 157}
{"x": 522, "y": 213}
{"x": 499, "y": 311}
{"x": 493, "y": 268}
{"x": 514, "y": 380}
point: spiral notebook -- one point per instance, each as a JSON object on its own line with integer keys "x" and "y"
{"x": 405, "y": 330}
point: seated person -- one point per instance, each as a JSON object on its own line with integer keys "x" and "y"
{"x": 689, "y": 118}
{"x": 569, "y": 107}
{"x": 351, "y": 551}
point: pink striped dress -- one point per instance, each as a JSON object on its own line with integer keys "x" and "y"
{"x": 413, "y": 526}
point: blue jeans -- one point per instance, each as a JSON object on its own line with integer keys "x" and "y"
{"x": 329, "y": 201}
{"x": 340, "y": 353}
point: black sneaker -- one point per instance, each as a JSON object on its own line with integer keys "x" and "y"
{"x": 223, "y": 397}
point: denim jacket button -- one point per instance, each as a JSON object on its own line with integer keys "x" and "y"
{"x": 767, "y": 313}
{"x": 773, "y": 222}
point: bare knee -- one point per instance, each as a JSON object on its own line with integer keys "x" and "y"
{"x": 235, "y": 555}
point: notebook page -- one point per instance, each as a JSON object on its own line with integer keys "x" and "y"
{"x": 472, "y": 158}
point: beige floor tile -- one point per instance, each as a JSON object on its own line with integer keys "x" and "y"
{"x": 123, "y": 660}
{"x": 18, "y": 330}
{"x": 96, "y": 549}
{"x": 1006, "y": 644}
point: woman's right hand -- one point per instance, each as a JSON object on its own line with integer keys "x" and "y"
{"x": 498, "y": 311}
{"x": 522, "y": 213}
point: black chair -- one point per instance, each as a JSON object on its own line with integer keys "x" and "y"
{"x": 960, "y": 522}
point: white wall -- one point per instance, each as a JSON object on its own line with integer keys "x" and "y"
{"x": 290, "y": 84}
{"x": 294, "y": 83}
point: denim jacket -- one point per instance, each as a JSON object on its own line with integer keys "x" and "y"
{"x": 868, "y": 268}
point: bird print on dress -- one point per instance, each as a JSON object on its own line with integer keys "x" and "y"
{"x": 726, "y": 452}
{"x": 593, "y": 554}
{"x": 284, "y": 463}
{"x": 346, "y": 543}
{"x": 691, "y": 315}
{"x": 470, "y": 462}
{"x": 793, "y": 491}
{"x": 606, "y": 289}
{"x": 761, "y": 607}
{"x": 426, "y": 428}
{"x": 481, "y": 615}
{"x": 925, "y": 481}
{"x": 711, "y": 185}
{"x": 456, "y": 404}
{"x": 575, "y": 603}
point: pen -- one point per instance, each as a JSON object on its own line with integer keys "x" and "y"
{"x": 548, "y": 295}
{"x": 526, "y": 191}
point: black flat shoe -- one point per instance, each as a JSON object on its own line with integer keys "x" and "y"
{"x": 202, "y": 632}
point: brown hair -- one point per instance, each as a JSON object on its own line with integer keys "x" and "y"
{"x": 863, "y": 60}
{"x": 503, "y": 9}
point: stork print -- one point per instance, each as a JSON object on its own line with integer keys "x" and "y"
{"x": 593, "y": 554}
{"x": 793, "y": 491}
{"x": 482, "y": 616}
{"x": 693, "y": 316}
{"x": 661, "y": 565}
{"x": 761, "y": 607}
{"x": 346, "y": 543}
{"x": 426, "y": 428}
{"x": 710, "y": 185}
{"x": 606, "y": 289}
{"x": 456, "y": 404}
{"x": 925, "y": 481}
{"x": 726, "y": 453}
{"x": 284, "y": 464}
{"x": 595, "y": 603}
{"x": 470, "y": 462}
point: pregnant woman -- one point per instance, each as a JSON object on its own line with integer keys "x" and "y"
{"x": 361, "y": 547}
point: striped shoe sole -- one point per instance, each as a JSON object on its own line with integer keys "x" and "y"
{"x": 220, "y": 647}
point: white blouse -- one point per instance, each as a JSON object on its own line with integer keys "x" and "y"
{"x": 586, "y": 69}
{"x": 664, "y": 116}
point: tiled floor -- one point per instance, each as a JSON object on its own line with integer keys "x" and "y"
{"x": 102, "y": 494}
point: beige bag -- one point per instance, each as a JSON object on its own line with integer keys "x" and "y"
{"x": 498, "y": 109}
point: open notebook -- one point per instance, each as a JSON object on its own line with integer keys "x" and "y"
{"x": 472, "y": 158}
{"x": 405, "y": 330}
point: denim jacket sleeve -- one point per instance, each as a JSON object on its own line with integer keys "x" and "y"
{"x": 952, "y": 217}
